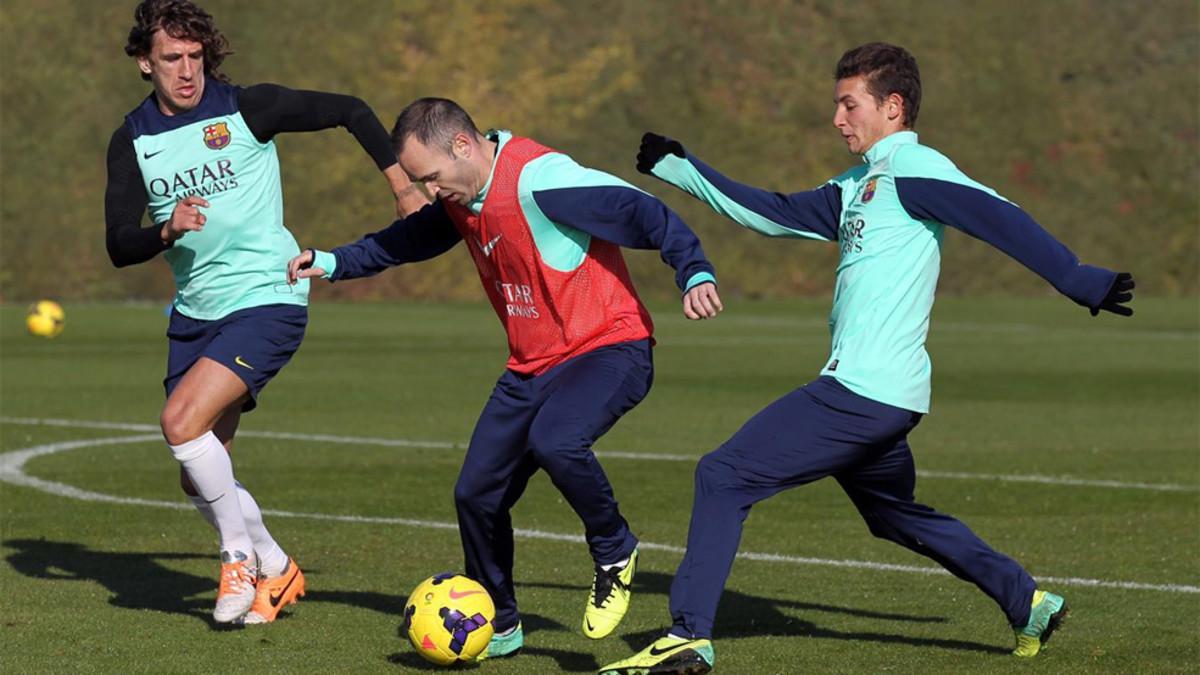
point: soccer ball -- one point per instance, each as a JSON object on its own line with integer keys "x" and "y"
{"x": 45, "y": 319}
{"x": 448, "y": 618}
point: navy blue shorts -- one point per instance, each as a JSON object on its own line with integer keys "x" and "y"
{"x": 254, "y": 343}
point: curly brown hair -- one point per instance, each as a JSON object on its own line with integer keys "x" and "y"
{"x": 182, "y": 20}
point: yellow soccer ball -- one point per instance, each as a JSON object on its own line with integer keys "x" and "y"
{"x": 45, "y": 319}
{"x": 448, "y": 618}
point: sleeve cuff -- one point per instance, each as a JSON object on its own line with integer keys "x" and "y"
{"x": 326, "y": 261}
{"x": 673, "y": 169}
{"x": 699, "y": 278}
{"x": 1088, "y": 285}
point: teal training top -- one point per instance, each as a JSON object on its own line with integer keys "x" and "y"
{"x": 239, "y": 259}
{"x": 887, "y": 216}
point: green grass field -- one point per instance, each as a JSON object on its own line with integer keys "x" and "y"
{"x": 1024, "y": 390}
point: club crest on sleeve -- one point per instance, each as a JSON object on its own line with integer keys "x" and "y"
{"x": 216, "y": 136}
{"x": 869, "y": 191}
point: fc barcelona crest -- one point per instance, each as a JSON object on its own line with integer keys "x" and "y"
{"x": 868, "y": 192}
{"x": 216, "y": 136}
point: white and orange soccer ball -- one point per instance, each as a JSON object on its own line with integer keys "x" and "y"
{"x": 45, "y": 319}
{"x": 448, "y": 618}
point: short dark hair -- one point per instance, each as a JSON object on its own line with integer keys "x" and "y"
{"x": 182, "y": 20}
{"x": 888, "y": 70}
{"x": 432, "y": 121}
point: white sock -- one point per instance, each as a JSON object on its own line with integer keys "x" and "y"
{"x": 204, "y": 509}
{"x": 619, "y": 565}
{"x": 208, "y": 467}
{"x": 271, "y": 559}
{"x": 679, "y": 637}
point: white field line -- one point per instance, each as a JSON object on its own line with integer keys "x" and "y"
{"x": 12, "y": 470}
{"x": 614, "y": 454}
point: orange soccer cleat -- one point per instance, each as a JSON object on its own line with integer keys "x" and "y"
{"x": 274, "y": 593}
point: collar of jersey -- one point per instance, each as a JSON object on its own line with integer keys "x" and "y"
{"x": 884, "y": 146}
{"x": 500, "y": 136}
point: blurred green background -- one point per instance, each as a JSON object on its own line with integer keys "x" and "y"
{"x": 1086, "y": 113}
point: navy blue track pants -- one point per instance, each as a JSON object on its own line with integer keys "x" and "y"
{"x": 823, "y": 429}
{"x": 547, "y": 422}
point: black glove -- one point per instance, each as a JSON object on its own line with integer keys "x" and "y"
{"x": 654, "y": 148}
{"x": 1121, "y": 292}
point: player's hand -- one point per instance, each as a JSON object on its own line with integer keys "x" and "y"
{"x": 654, "y": 148}
{"x": 1120, "y": 293}
{"x": 702, "y": 302}
{"x": 185, "y": 218}
{"x": 301, "y": 267}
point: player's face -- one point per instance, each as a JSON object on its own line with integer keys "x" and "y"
{"x": 860, "y": 119}
{"x": 455, "y": 176}
{"x": 176, "y": 68}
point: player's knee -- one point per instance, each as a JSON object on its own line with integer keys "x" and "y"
{"x": 178, "y": 423}
{"x": 468, "y": 493}
{"x": 710, "y": 467}
{"x": 878, "y": 526}
{"x": 553, "y": 451}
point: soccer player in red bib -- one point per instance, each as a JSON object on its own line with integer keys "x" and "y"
{"x": 544, "y": 233}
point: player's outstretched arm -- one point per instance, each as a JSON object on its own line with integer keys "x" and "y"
{"x": 813, "y": 214}
{"x": 271, "y": 109}
{"x": 425, "y": 234}
{"x": 608, "y": 208}
{"x": 931, "y": 188}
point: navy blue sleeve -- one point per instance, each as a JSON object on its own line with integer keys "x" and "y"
{"x": 817, "y": 211}
{"x": 631, "y": 218}
{"x": 422, "y": 235}
{"x": 1008, "y": 228}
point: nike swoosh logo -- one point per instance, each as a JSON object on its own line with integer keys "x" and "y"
{"x": 589, "y": 624}
{"x": 659, "y": 652}
{"x": 148, "y": 155}
{"x": 456, "y": 595}
{"x": 238, "y": 360}
{"x": 276, "y": 599}
{"x": 487, "y": 250}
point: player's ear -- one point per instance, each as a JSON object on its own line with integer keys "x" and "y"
{"x": 893, "y": 105}
{"x": 461, "y": 146}
{"x": 144, "y": 64}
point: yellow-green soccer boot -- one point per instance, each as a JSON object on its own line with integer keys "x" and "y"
{"x": 609, "y": 599}
{"x": 668, "y": 655}
{"x": 1045, "y": 616}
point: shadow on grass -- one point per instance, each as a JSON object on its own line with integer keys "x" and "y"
{"x": 745, "y": 615}
{"x": 136, "y": 580}
{"x": 140, "y": 581}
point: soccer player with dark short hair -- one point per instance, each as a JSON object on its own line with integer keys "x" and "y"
{"x": 887, "y": 216}
{"x": 545, "y": 235}
{"x": 199, "y": 154}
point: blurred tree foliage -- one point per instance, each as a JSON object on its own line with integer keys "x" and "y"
{"x": 1085, "y": 112}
